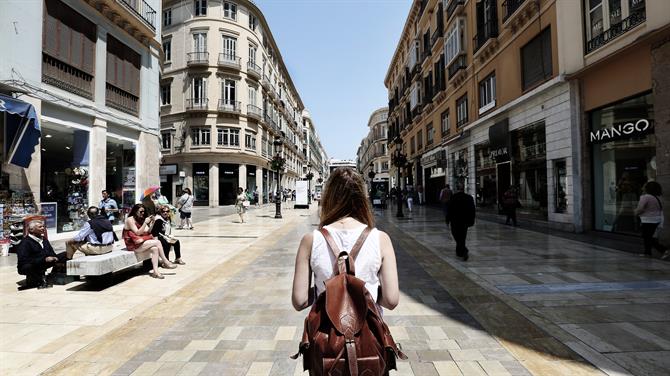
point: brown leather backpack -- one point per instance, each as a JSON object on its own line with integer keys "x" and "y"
{"x": 344, "y": 332}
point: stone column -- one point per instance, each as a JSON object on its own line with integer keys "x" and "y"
{"x": 213, "y": 185}
{"x": 660, "y": 66}
{"x": 97, "y": 161}
{"x": 147, "y": 161}
{"x": 100, "y": 67}
{"x": 242, "y": 179}
{"x": 259, "y": 182}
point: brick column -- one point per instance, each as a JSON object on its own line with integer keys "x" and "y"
{"x": 660, "y": 75}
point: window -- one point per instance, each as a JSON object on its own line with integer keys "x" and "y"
{"x": 430, "y": 134}
{"x": 462, "y": 111}
{"x": 252, "y": 53}
{"x": 199, "y": 91}
{"x": 167, "y": 17}
{"x": 228, "y": 137}
{"x": 419, "y": 140}
{"x": 166, "y": 140}
{"x": 412, "y": 145}
{"x": 613, "y": 16}
{"x": 123, "y": 77}
{"x": 200, "y": 42}
{"x": 536, "y": 59}
{"x": 167, "y": 50}
{"x": 454, "y": 42}
{"x": 487, "y": 93}
{"x": 229, "y": 91}
{"x": 253, "y": 22}
{"x": 229, "y": 10}
{"x": 445, "y": 124}
{"x": 229, "y": 48}
{"x": 166, "y": 95}
{"x": 253, "y": 94}
{"x": 200, "y": 136}
{"x": 250, "y": 140}
{"x": 200, "y": 7}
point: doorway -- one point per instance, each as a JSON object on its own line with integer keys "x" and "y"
{"x": 228, "y": 183}
{"x": 503, "y": 180}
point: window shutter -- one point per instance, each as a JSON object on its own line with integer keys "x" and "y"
{"x": 546, "y": 53}
{"x": 50, "y": 39}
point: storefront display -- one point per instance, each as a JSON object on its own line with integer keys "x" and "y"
{"x": 120, "y": 174}
{"x": 14, "y": 208}
{"x": 624, "y": 159}
{"x": 459, "y": 168}
{"x": 529, "y": 169}
{"x": 201, "y": 183}
{"x": 485, "y": 178}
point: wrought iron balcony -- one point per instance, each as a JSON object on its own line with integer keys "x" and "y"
{"x": 230, "y": 61}
{"x": 488, "y": 31}
{"x": 143, "y": 10}
{"x": 437, "y": 34}
{"x": 121, "y": 100}
{"x": 265, "y": 81}
{"x": 453, "y": 5}
{"x": 197, "y": 104}
{"x": 460, "y": 62}
{"x": 254, "y": 70}
{"x": 636, "y": 18}
{"x": 66, "y": 77}
{"x": 197, "y": 58}
{"x": 254, "y": 112}
{"x": 509, "y": 7}
{"x": 229, "y": 107}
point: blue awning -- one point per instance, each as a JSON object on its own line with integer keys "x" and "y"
{"x": 22, "y": 130}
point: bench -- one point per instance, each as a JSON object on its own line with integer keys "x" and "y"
{"x": 107, "y": 263}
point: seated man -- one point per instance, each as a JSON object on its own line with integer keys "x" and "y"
{"x": 35, "y": 256}
{"x": 97, "y": 237}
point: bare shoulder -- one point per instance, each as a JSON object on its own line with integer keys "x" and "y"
{"x": 385, "y": 243}
{"x": 305, "y": 247}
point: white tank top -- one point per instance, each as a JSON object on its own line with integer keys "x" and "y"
{"x": 368, "y": 262}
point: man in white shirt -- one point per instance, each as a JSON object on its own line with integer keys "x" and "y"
{"x": 95, "y": 238}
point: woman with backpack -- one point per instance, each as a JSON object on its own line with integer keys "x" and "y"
{"x": 185, "y": 205}
{"x": 346, "y": 229}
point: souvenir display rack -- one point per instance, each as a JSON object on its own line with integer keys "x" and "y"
{"x": 15, "y": 207}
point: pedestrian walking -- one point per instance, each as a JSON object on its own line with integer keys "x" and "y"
{"x": 185, "y": 205}
{"x": 510, "y": 204}
{"x": 461, "y": 217}
{"x": 419, "y": 191}
{"x": 410, "y": 199}
{"x": 257, "y": 198}
{"x": 109, "y": 206}
{"x": 445, "y": 196}
{"x": 241, "y": 203}
{"x": 650, "y": 211}
{"x": 353, "y": 265}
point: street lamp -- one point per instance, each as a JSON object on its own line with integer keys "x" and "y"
{"x": 399, "y": 160}
{"x": 278, "y": 165}
{"x": 309, "y": 178}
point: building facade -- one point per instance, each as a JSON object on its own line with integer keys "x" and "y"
{"x": 226, "y": 98}
{"x": 315, "y": 153}
{"x": 372, "y": 158}
{"x": 91, "y": 71}
{"x": 490, "y": 95}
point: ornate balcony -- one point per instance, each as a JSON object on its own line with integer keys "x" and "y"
{"x": 460, "y": 62}
{"x": 197, "y": 58}
{"x": 265, "y": 81}
{"x": 488, "y": 31}
{"x": 66, "y": 77}
{"x": 254, "y": 112}
{"x": 230, "y": 61}
{"x": 254, "y": 70}
{"x": 197, "y": 104}
{"x": 229, "y": 107}
{"x": 455, "y": 6}
{"x": 509, "y": 7}
{"x": 637, "y": 17}
{"x": 136, "y": 17}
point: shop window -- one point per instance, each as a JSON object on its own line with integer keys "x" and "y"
{"x": 529, "y": 169}
{"x": 536, "y": 60}
{"x": 459, "y": 168}
{"x": 560, "y": 186}
{"x": 485, "y": 177}
{"x": 65, "y": 173}
{"x": 201, "y": 183}
{"x": 121, "y": 174}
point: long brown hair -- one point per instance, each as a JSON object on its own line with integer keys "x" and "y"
{"x": 344, "y": 196}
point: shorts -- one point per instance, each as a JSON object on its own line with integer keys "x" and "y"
{"x": 184, "y": 215}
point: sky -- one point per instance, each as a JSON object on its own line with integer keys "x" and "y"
{"x": 337, "y": 53}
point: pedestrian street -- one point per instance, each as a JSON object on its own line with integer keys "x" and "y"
{"x": 525, "y": 303}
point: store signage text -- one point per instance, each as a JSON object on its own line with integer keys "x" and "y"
{"x": 499, "y": 153}
{"x": 620, "y": 131}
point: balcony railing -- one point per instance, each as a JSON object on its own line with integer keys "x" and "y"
{"x": 437, "y": 34}
{"x": 230, "y": 107}
{"x": 121, "y": 100}
{"x": 509, "y": 7}
{"x": 489, "y": 30}
{"x": 451, "y": 8}
{"x": 636, "y": 18}
{"x": 254, "y": 112}
{"x": 143, "y": 10}
{"x": 197, "y": 104}
{"x": 230, "y": 60}
{"x": 66, "y": 77}
{"x": 459, "y": 63}
{"x": 254, "y": 70}
{"x": 197, "y": 58}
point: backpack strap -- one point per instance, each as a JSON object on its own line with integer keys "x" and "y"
{"x": 342, "y": 265}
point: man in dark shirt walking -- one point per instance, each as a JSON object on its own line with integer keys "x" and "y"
{"x": 461, "y": 215}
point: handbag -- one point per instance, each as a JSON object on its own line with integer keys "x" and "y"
{"x": 246, "y": 203}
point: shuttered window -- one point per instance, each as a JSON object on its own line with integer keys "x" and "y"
{"x": 69, "y": 37}
{"x": 123, "y": 66}
{"x": 536, "y": 59}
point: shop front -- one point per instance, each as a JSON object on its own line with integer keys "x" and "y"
{"x": 201, "y": 184}
{"x": 120, "y": 174}
{"x": 434, "y": 175}
{"x": 623, "y": 146}
{"x": 229, "y": 181}
{"x": 459, "y": 169}
{"x": 529, "y": 169}
{"x": 485, "y": 178}
{"x": 251, "y": 178}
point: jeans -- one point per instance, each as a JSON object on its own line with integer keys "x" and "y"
{"x": 650, "y": 241}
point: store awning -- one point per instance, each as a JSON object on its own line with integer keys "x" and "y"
{"x": 22, "y": 130}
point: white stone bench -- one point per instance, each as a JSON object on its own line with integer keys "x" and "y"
{"x": 111, "y": 262}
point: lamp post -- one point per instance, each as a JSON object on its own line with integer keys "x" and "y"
{"x": 399, "y": 160}
{"x": 278, "y": 164}
{"x": 309, "y": 189}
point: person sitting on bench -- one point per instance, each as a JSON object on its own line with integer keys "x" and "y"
{"x": 97, "y": 237}
{"x": 35, "y": 256}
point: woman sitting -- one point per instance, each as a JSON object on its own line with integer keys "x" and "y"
{"x": 162, "y": 230}
{"x": 137, "y": 236}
